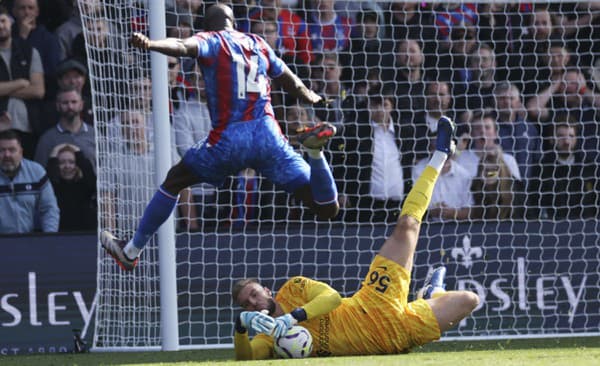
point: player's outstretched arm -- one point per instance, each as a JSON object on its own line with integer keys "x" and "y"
{"x": 175, "y": 47}
{"x": 293, "y": 85}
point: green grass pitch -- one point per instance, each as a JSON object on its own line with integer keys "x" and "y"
{"x": 534, "y": 352}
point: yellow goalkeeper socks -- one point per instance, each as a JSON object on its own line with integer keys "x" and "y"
{"x": 418, "y": 198}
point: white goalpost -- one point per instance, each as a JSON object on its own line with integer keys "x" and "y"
{"x": 529, "y": 247}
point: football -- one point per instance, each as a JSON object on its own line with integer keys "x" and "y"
{"x": 296, "y": 343}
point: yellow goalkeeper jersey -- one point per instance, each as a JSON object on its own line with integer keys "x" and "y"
{"x": 375, "y": 320}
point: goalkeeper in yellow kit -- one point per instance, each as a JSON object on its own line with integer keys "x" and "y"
{"x": 378, "y": 319}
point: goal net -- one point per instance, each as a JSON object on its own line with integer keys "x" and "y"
{"x": 514, "y": 216}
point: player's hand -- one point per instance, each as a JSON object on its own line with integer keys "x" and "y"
{"x": 261, "y": 323}
{"x": 139, "y": 40}
{"x": 312, "y": 97}
{"x": 282, "y": 324}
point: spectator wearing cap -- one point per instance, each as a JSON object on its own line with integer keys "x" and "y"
{"x": 70, "y": 129}
{"x": 22, "y": 82}
{"x": 26, "y": 28}
{"x": 70, "y": 73}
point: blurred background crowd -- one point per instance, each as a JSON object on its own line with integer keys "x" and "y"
{"x": 521, "y": 80}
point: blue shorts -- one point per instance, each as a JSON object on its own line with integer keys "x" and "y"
{"x": 257, "y": 144}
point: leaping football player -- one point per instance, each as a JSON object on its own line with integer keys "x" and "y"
{"x": 236, "y": 68}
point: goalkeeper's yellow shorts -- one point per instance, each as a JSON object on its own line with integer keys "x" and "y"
{"x": 384, "y": 297}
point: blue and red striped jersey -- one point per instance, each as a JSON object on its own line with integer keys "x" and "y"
{"x": 465, "y": 13}
{"x": 333, "y": 36}
{"x": 236, "y": 69}
{"x": 293, "y": 36}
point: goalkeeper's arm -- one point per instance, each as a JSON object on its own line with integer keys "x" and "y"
{"x": 175, "y": 47}
{"x": 260, "y": 348}
{"x": 322, "y": 299}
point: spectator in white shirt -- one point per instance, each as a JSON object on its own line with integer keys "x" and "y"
{"x": 367, "y": 163}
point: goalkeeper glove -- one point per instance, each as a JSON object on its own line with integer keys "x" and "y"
{"x": 260, "y": 322}
{"x": 282, "y": 324}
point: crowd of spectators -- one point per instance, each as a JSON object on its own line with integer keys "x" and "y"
{"x": 517, "y": 77}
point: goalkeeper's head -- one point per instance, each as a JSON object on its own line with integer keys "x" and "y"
{"x": 252, "y": 296}
{"x": 218, "y": 17}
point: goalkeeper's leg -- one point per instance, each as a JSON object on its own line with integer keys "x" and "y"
{"x": 450, "y": 307}
{"x": 400, "y": 246}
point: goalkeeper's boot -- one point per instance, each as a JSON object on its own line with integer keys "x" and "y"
{"x": 433, "y": 283}
{"x": 114, "y": 247}
{"x": 316, "y": 137}
{"x": 446, "y": 130}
